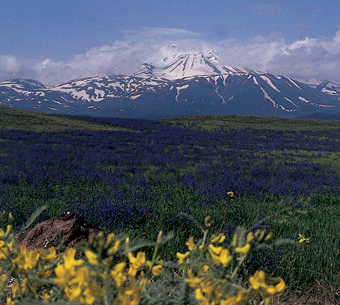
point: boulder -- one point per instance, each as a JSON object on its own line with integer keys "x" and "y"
{"x": 74, "y": 229}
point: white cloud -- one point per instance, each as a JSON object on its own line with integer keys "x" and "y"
{"x": 303, "y": 59}
{"x": 9, "y": 65}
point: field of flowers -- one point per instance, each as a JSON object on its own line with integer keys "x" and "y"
{"x": 148, "y": 176}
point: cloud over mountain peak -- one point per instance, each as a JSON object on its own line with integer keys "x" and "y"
{"x": 305, "y": 58}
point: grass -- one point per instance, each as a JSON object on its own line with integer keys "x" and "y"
{"x": 215, "y": 122}
{"x": 12, "y": 118}
{"x": 312, "y": 268}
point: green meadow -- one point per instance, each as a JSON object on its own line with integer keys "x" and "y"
{"x": 310, "y": 268}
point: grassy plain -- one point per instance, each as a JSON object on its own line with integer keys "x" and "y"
{"x": 13, "y": 118}
{"x": 216, "y": 122}
{"x": 311, "y": 268}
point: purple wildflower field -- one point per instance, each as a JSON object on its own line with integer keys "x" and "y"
{"x": 108, "y": 176}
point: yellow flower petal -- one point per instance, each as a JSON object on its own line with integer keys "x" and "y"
{"x": 114, "y": 249}
{"x": 244, "y": 250}
{"x": 69, "y": 259}
{"x": 92, "y": 257}
{"x": 138, "y": 261}
{"x": 250, "y": 237}
{"x": 217, "y": 239}
{"x": 190, "y": 243}
{"x": 181, "y": 257}
{"x": 215, "y": 250}
{"x": 225, "y": 257}
{"x": 199, "y": 295}
{"x": 156, "y": 270}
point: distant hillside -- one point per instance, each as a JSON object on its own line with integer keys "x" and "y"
{"x": 216, "y": 122}
{"x": 12, "y": 118}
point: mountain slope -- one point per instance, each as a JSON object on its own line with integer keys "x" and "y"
{"x": 186, "y": 84}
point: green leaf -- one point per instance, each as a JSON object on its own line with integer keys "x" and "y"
{"x": 33, "y": 217}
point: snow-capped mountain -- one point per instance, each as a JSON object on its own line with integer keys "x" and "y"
{"x": 183, "y": 84}
{"x": 192, "y": 65}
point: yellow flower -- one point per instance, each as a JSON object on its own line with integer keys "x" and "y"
{"x": 72, "y": 292}
{"x": 82, "y": 277}
{"x": 260, "y": 235}
{"x": 138, "y": 261}
{"x": 225, "y": 257}
{"x": 230, "y": 194}
{"x": 64, "y": 275}
{"x": 3, "y": 234}
{"x": 114, "y": 249}
{"x": 268, "y": 237}
{"x": 181, "y": 257}
{"x": 52, "y": 255}
{"x": 117, "y": 274}
{"x": 156, "y": 270}
{"x": 119, "y": 279}
{"x": 4, "y": 253}
{"x": 209, "y": 289}
{"x": 217, "y": 239}
{"x": 259, "y": 285}
{"x": 244, "y": 250}
{"x": 92, "y": 257}
{"x": 302, "y": 239}
{"x": 10, "y": 217}
{"x": 47, "y": 274}
{"x": 15, "y": 289}
{"x": 26, "y": 260}
{"x": 205, "y": 268}
{"x": 238, "y": 299}
{"x": 208, "y": 222}
{"x": 258, "y": 280}
{"x": 250, "y": 237}
{"x": 214, "y": 250}
{"x": 69, "y": 259}
{"x": 91, "y": 293}
{"x": 45, "y": 296}
{"x": 119, "y": 267}
{"x": 11, "y": 245}
{"x": 109, "y": 239}
{"x": 10, "y": 302}
{"x": 192, "y": 281}
{"x": 190, "y": 243}
{"x": 3, "y": 277}
{"x": 200, "y": 297}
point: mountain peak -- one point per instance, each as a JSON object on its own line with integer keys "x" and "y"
{"x": 189, "y": 65}
{"x": 145, "y": 71}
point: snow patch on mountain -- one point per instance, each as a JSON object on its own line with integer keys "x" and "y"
{"x": 178, "y": 91}
{"x": 269, "y": 82}
{"x": 303, "y": 99}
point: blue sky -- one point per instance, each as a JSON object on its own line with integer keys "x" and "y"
{"x": 54, "y": 41}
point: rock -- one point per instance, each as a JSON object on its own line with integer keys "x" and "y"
{"x": 74, "y": 229}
